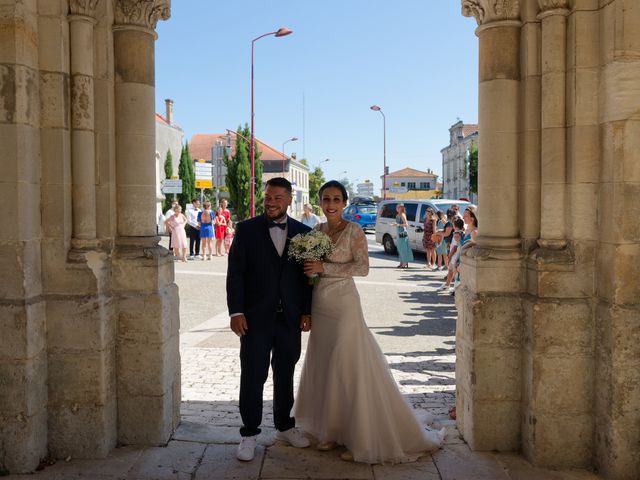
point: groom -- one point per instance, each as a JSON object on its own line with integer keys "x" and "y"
{"x": 269, "y": 301}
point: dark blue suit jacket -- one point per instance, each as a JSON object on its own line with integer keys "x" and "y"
{"x": 257, "y": 277}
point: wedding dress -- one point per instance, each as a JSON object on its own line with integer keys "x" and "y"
{"x": 347, "y": 394}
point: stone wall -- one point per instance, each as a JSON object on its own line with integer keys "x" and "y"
{"x": 549, "y": 317}
{"x": 88, "y": 307}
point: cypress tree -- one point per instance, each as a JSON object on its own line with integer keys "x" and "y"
{"x": 187, "y": 175}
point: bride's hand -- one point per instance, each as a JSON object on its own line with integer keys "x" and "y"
{"x": 313, "y": 267}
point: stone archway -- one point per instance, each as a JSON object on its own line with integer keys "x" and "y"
{"x": 548, "y": 313}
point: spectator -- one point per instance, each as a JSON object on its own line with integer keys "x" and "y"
{"x": 205, "y": 222}
{"x": 177, "y": 223}
{"x": 405, "y": 253}
{"x": 441, "y": 245}
{"x": 167, "y": 216}
{"x": 221, "y": 230}
{"x": 427, "y": 238}
{"x": 309, "y": 218}
{"x": 228, "y": 237}
{"x": 193, "y": 230}
{"x": 454, "y": 255}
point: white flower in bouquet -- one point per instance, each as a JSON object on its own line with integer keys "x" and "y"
{"x": 313, "y": 246}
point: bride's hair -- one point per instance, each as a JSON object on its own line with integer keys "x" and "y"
{"x": 334, "y": 184}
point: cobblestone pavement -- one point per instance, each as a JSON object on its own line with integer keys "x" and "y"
{"x": 414, "y": 326}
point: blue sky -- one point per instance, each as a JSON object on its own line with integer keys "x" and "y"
{"x": 417, "y": 59}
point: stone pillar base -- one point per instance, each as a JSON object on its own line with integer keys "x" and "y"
{"x": 81, "y": 355}
{"x": 558, "y": 368}
{"x": 488, "y": 355}
{"x": 148, "y": 358}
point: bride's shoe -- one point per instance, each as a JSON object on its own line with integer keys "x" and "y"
{"x": 347, "y": 456}
{"x": 326, "y": 446}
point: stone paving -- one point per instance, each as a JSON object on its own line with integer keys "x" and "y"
{"x": 419, "y": 349}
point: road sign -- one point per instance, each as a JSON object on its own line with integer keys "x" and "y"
{"x": 171, "y": 186}
{"x": 204, "y": 183}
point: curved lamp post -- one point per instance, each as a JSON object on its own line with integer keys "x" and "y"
{"x": 281, "y": 32}
{"x": 284, "y": 156}
{"x": 376, "y": 108}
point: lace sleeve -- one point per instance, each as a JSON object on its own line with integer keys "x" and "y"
{"x": 359, "y": 265}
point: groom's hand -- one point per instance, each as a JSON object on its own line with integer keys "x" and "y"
{"x": 305, "y": 323}
{"x": 239, "y": 325}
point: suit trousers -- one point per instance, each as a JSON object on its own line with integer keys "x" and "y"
{"x": 281, "y": 342}
{"x": 194, "y": 240}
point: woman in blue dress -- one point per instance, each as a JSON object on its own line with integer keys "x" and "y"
{"x": 402, "y": 241}
{"x": 205, "y": 220}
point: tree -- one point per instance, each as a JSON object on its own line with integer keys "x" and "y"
{"x": 316, "y": 179}
{"x": 168, "y": 173}
{"x": 473, "y": 168}
{"x": 187, "y": 175}
{"x": 239, "y": 177}
{"x": 348, "y": 186}
{"x": 258, "y": 170}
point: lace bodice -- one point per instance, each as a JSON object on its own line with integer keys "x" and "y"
{"x": 350, "y": 257}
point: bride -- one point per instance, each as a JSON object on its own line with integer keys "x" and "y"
{"x": 347, "y": 395}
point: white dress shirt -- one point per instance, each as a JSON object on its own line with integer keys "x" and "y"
{"x": 279, "y": 235}
{"x": 192, "y": 216}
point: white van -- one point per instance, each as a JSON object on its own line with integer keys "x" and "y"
{"x": 416, "y": 211}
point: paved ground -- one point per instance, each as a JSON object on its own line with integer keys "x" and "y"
{"x": 415, "y": 328}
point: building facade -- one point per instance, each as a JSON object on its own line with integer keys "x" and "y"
{"x": 169, "y": 137}
{"x": 420, "y": 184}
{"x": 365, "y": 189}
{"x": 455, "y": 161}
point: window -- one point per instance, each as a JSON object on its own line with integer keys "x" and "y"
{"x": 410, "y": 210}
{"x": 388, "y": 210}
{"x": 423, "y": 186}
{"x": 403, "y": 184}
{"x": 411, "y": 185}
{"x": 423, "y": 211}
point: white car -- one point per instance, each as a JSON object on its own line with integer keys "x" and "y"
{"x": 416, "y": 211}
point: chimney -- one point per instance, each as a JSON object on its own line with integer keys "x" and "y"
{"x": 169, "y": 111}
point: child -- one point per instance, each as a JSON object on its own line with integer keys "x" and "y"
{"x": 454, "y": 254}
{"x": 228, "y": 238}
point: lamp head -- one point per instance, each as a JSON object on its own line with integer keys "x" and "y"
{"x": 294, "y": 139}
{"x": 375, "y": 108}
{"x": 283, "y": 31}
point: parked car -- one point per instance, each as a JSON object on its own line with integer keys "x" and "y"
{"x": 416, "y": 211}
{"x": 364, "y": 214}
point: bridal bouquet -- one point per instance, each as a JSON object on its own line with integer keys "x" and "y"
{"x": 314, "y": 246}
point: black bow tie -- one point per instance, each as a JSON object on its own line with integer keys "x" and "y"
{"x": 281, "y": 226}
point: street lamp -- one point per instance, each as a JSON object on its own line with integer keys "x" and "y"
{"x": 376, "y": 108}
{"x": 321, "y": 162}
{"x": 281, "y": 32}
{"x": 284, "y": 157}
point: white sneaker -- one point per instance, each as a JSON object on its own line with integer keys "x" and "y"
{"x": 442, "y": 287}
{"x": 200, "y": 257}
{"x": 247, "y": 449}
{"x": 293, "y": 437}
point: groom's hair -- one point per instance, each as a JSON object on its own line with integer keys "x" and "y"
{"x": 280, "y": 182}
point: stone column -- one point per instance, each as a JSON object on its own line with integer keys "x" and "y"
{"x": 148, "y": 364}
{"x": 618, "y": 254}
{"x": 553, "y": 51}
{"x": 529, "y": 168}
{"x": 23, "y": 362}
{"x": 80, "y": 313}
{"x": 558, "y": 351}
{"x": 81, "y": 38}
{"x": 489, "y": 327}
